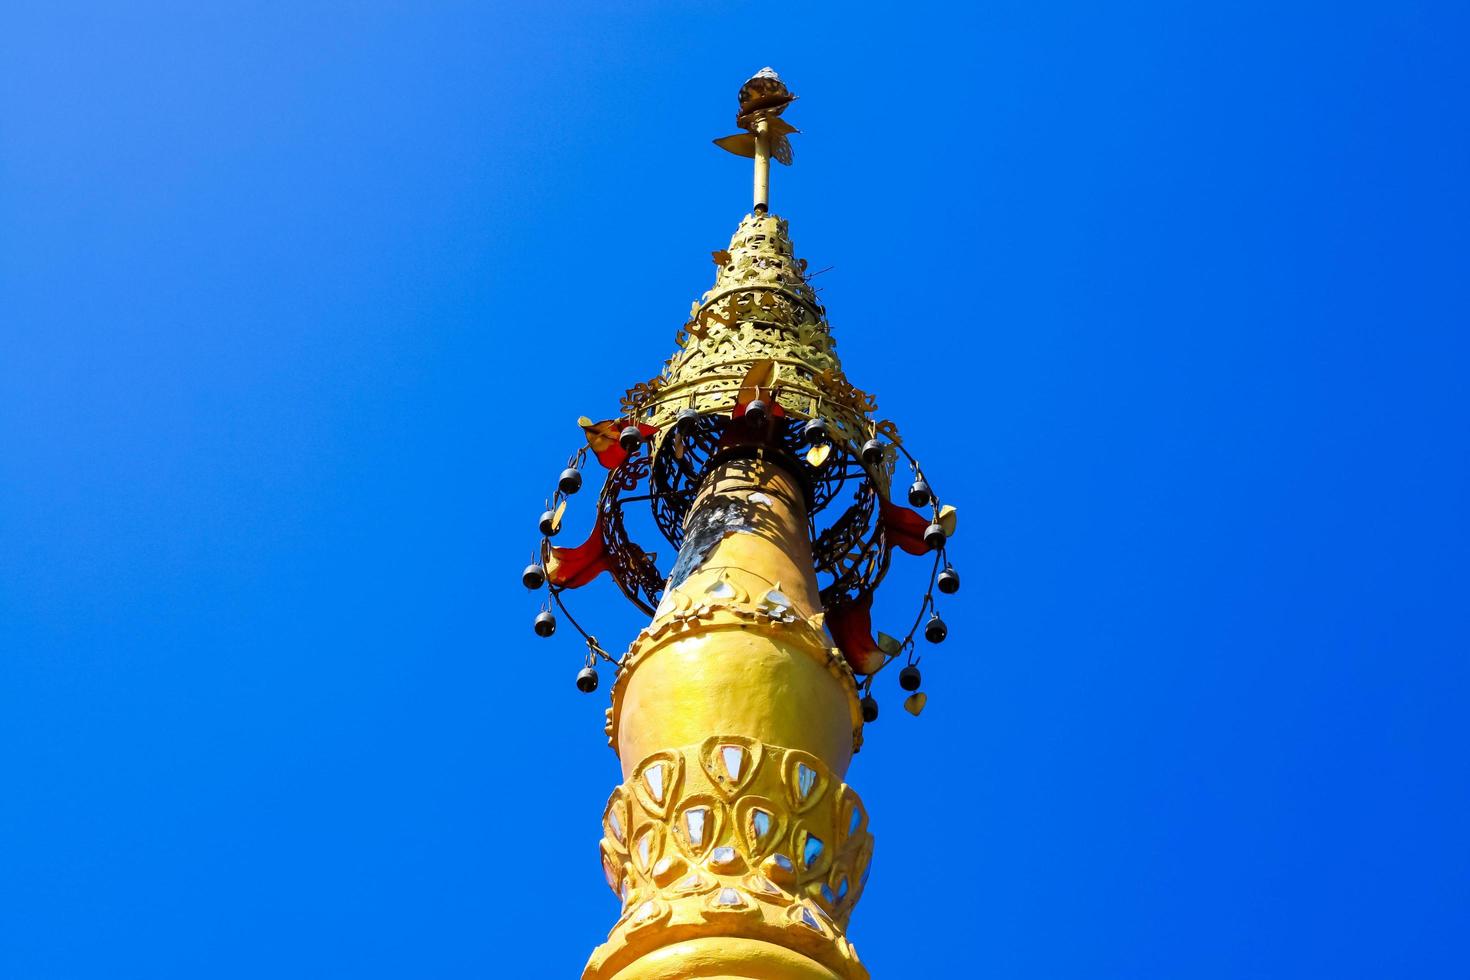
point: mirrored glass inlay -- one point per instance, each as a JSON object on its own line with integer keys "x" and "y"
{"x": 783, "y": 862}
{"x": 723, "y": 854}
{"x": 643, "y": 845}
{"x": 692, "y": 883}
{"x": 645, "y": 911}
{"x": 624, "y": 891}
{"x": 734, "y": 757}
{"x": 663, "y": 866}
{"x": 809, "y": 920}
{"x": 811, "y": 850}
{"x": 828, "y": 894}
{"x": 729, "y": 896}
{"x": 721, "y": 590}
{"x": 611, "y": 874}
{"x": 760, "y": 498}
{"x": 777, "y": 598}
{"x": 615, "y": 824}
{"x": 762, "y": 883}
{"x": 694, "y": 820}
{"x": 761, "y": 820}
{"x": 654, "y": 777}
{"x": 806, "y": 778}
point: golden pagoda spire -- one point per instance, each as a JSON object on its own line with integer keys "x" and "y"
{"x": 734, "y": 843}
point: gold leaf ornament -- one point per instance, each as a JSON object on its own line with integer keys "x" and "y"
{"x": 556, "y": 516}
{"x": 757, "y": 382}
{"x": 947, "y": 517}
{"x": 889, "y": 645}
{"x": 817, "y": 455}
{"x": 915, "y": 702}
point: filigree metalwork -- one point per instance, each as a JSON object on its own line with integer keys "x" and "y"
{"x": 632, "y": 567}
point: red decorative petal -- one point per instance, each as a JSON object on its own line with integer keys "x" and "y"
{"x": 852, "y": 630}
{"x": 904, "y": 528}
{"x": 603, "y": 438}
{"x": 572, "y": 568}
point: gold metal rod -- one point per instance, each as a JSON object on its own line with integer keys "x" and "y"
{"x": 762, "y": 165}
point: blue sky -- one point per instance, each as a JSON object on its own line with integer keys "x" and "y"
{"x": 300, "y": 303}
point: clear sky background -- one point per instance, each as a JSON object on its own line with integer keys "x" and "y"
{"x": 299, "y": 304}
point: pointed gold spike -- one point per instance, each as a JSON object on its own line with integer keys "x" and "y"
{"x": 740, "y": 144}
{"x": 780, "y": 127}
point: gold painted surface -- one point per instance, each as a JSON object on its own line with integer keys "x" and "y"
{"x": 733, "y": 706}
{"x": 721, "y": 655}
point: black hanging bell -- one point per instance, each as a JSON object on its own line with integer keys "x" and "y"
{"x": 935, "y": 631}
{"x": 815, "y": 432}
{"x": 685, "y": 421}
{"x": 908, "y": 678}
{"x": 587, "y": 680}
{"x": 872, "y": 452}
{"x": 545, "y": 623}
{"x": 548, "y": 523}
{"x": 533, "y": 577}
{"x": 949, "y": 581}
{"x": 630, "y": 439}
{"x": 919, "y": 495}
{"x": 934, "y": 537}
{"x": 870, "y": 708}
{"x": 756, "y": 412}
{"x": 570, "y": 481}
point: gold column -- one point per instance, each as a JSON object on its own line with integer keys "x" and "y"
{"x": 733, "y": 841}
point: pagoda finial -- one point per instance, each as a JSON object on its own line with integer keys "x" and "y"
{"x": 763, "y": 98}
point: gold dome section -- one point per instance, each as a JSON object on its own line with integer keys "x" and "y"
{"x": 761, "y": 308}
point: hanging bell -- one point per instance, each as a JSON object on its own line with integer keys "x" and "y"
{"x": 934, "y": 537}
{"x": 545, "y": 623}
{"x": 533, "y": 577}
{"x": 908, "y": 678}
{"x": 870, "y": 708}
{"x": 919, "y": 495}
{"x": 949, "y": 581}
{"x": 815, "y": 432}
{"x": 548, "y": 524}
{"x": 872, "y": 452}
{"x": 935, "y": 631}
{"x": 587, "y": 680}
{"x": 570, "y": 481}
{"x": 630, "y": 439}
{"x": 756, "y": 412}
{"x": 685, "y": 421}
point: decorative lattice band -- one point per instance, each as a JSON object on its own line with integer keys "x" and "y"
{"x": 734, "y": 837}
